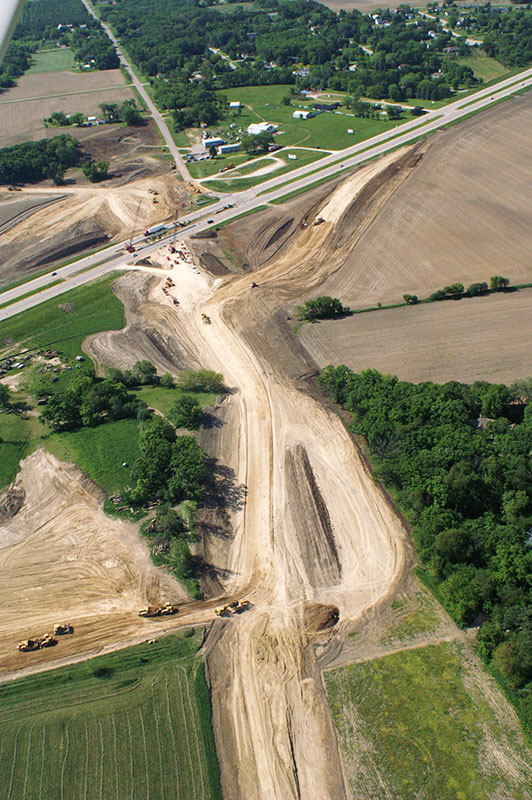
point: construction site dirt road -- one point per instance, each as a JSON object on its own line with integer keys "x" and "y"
{"x": 315, "y": 539}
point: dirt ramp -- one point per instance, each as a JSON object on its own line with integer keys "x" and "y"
{"x": 311, "y": 520}
{"x": 141, "y": 338}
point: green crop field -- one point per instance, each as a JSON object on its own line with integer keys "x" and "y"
{"x": 52, "y": 61}
{"x": 63, "y": 322}
{"x": 132, "y": 724}
{"x": 417, "y": 725}
{"x": 328, "y": 130}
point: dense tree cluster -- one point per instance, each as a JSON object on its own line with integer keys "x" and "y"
{"x": 34, "y": 161}
{"x": 89, "y": 401}
{"x": 458, "y": 460}
{"x": 321, "y": 308}
{"x": 271, "y": 41}
{"x": 40, "y": 19}
{"x": 170, "y": 542}
{"x": 169, "y": 467}
{"x": 506, "y": 33}
{"x": 95, "y": 171}
{"x": 16, "y": 61}
{"x": 201, "y": 380}
{"x": 186, "y": 413}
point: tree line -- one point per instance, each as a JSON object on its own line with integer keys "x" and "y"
{"x": 457, "y": 459}
{"x": 31, "y": 162}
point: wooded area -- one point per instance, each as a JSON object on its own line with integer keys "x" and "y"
{"x": 457, "y": 459}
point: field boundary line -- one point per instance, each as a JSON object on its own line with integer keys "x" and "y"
{"x": 13, "y": 765}
{"x": 65, "y": 757}
{"x": 25, "y": 787}
{"x": 195, "y": 718}
{"x": 145, "y": 753}
{"x": 101, "y": 759}
{"x": 63, "y": 94}
{"x": 117, "y": 779}
{"x": 130, "y": 755}
{"x": 161, "y": 785}
{"x": 86, "y": 787}
{"x": 174, "y": 749}
{"x": 43, "y": 753}
{"x": 180, "y": 693}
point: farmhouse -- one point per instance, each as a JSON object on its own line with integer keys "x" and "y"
{"x": 261, "y": 127}
{"x": 301, "y": 114}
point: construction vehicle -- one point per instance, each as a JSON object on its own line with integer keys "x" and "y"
{"x": 318, "y": 221}
{"x": 221, "y": 611}
{"x": 205, "y": 319}
{"x": 128, "y": 247}
{"x": 63, "y": 629}
{"x": 254, "y": 285}
{"x": 159, "y": 611}
{"x": 242, "y": 605}
{"x": 176, "y": 302}
{"x": 28, "y": 645}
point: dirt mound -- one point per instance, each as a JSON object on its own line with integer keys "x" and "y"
{"x": 311, "y": 520}
{"x": 320, "y": 617}
{"x": 11, "y": 502}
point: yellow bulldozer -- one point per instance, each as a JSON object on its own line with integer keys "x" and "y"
{"x": 61, "y": 629}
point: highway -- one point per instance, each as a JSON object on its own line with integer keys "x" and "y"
{"x": 113, "y": 258}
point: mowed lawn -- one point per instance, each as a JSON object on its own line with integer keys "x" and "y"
{"x": 328, "y": 130}
{"x": 132, "y": 724}
{"x": 484, "y": 67}
{"x": 417, "y": 725}
{"x": 63, "y": 322}
{"x": 52, "y": 60}
{"x": 243, "y": 177}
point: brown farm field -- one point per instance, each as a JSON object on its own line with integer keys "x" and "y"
{"x": 463, "y": 214}
{"x": 21, "y": 116}
{"x": 485, "y": 338}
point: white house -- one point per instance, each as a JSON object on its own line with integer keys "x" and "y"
{"x": 261, "y": 127}
{"x": 228, "y": 148}
{"x": 214, "y": 141}
{"x": 235, "y": 104}
{"x": 301, "y": 114}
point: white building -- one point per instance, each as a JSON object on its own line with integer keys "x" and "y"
{"x": 228, "y": 148}
{"x": 301, "y": 114}
{"x": 235, "y": 104}
{"x": 214, "y": 141}
{"x": 261, "y": 127}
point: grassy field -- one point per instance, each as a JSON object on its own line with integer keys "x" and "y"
{"x": 303, "y": 157}
{"x": 100, "y": 452}
{"x": 329, "y": 130}
{"x": 52, "y": 61}
{"x": 91, "y": 308}
{"x": 483, "y": 66}
{"x": 132, "y": 724}
{"x": 163, "y": 399}
{"x": 203, "y": 169}
{"x": 416, "y": 725}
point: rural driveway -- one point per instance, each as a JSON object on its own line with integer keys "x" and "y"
{"x": 161, "y": 124}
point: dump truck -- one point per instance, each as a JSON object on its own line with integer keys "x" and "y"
{"x": 159, "y": 611}
{"x": 318, "y": 221}
{"x": 47, "y": 640}
{"x": 205, "y": 319}
{"x": 61, "y": 629}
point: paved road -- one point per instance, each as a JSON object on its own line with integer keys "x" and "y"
{"x": 113, "y": 258}
{"x": 161, "y": 124}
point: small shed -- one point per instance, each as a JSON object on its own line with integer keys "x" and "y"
{"x": 301, "y": 114}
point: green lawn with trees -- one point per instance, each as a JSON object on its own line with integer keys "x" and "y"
{"x": 457, "y": 459}
{"x": 52, "y": 61}
{"x": 134, "y": 723}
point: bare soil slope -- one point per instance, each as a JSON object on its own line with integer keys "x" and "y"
{"x": 61, "y": 558}
{"x": 462, "y": 215}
